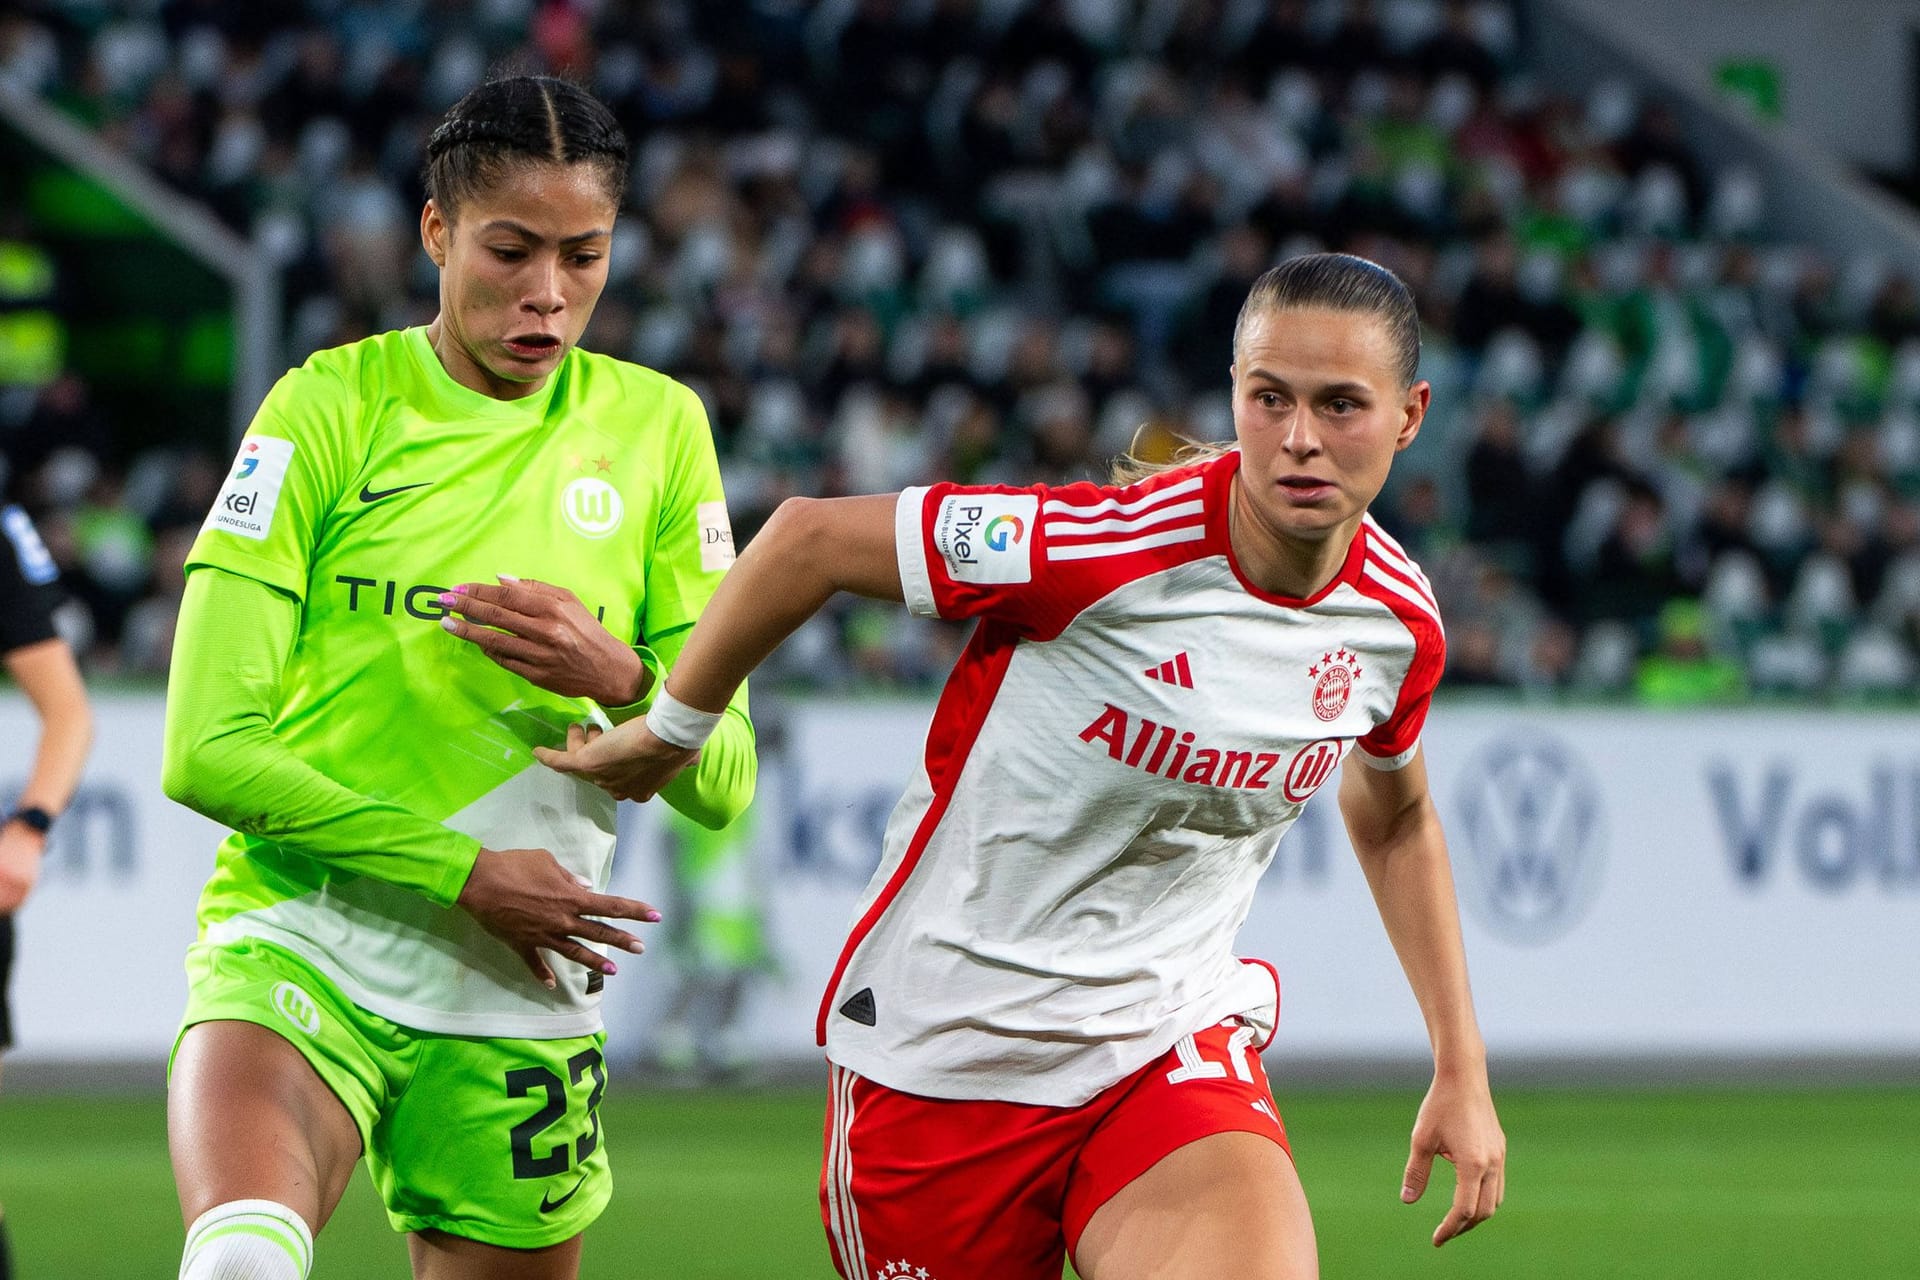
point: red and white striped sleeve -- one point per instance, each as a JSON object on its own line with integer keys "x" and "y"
{"x": 1390, "y": 576}
{"x": 1035, "y": 557}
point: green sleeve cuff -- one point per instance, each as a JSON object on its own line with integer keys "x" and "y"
{"x": 656, "y": 676}
{"x": 464, "y": 853}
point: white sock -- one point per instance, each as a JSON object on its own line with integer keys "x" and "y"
{"x": 248, "y": 1240}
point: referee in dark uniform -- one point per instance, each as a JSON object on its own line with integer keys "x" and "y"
{"x": 40, "y": 663}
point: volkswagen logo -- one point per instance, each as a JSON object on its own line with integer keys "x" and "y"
{"x": 1531, "y": 838}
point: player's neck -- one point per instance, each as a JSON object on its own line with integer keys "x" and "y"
{"x": 470, "y": 373}
{"x": 1281, "y": 563}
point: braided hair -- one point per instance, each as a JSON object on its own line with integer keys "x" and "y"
{"x": 519, "y": 120}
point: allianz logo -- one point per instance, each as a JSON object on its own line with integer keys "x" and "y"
{"x": 1177, "y": 754}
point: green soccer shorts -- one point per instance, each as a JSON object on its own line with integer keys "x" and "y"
{"x": 494, "y": 1140}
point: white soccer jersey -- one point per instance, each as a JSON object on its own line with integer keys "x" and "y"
{"x": 1130, "y": 730}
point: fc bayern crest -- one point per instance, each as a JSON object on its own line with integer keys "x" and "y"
{"x": 1333, "y": 680}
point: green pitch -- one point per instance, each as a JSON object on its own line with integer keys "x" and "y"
{"x": 712, "y": 1186}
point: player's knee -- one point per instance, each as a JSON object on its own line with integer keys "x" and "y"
{"x": 248, "y": 1240}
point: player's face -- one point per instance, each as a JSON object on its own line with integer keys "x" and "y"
{"x": 1319, "y": 410}
{"x": 520, "y": 271}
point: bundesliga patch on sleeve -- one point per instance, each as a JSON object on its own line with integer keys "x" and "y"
{"x": 986, "y": 537}
{"x": 246, "y": 501}
{"x": 716, "y": 536}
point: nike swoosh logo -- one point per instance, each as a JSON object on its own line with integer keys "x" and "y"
{"x": 368, "y": 495}
{"x": 548, "y": 1206}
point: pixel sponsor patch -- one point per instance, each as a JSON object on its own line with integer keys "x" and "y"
{"x": 987, "y": 537}
{"x": 716, "y": 536}
{"x": 246, "y": 502}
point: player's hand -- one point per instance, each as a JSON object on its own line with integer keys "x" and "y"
{"x": 627, "y": 762}
{"x": 20, "y": 850}
{"x": 544, "y": 634}
{"x": 1457, "y": 1122}
{"x": 530, "y": 902}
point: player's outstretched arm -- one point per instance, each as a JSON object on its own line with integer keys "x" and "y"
{"x": 719, "y": 785}
{"x": 1396, "y": 833}
{"x": 810, "y": 549}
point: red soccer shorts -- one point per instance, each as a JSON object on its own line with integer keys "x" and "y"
{"x": 917, "y": 1188}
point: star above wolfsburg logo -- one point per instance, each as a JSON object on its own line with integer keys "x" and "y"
{"x": 580, "y": 462}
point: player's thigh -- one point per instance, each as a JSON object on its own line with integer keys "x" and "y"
{"x": 274, "y": 1083}
{"x": 496, "y": 1143}
{"x": 248, "y": 1118}
{"x": 1228, "y": 1204}
{"x": 1189, "y": 1170}
{"x": 439, "y": 1256}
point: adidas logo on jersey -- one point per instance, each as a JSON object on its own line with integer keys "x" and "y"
{"x": 1174, "y": 671}
{"x": 860, "y": 1008}
{"x": 1171, "y": 752}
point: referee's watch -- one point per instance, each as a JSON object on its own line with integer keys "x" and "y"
{"x": 33, "y": 817}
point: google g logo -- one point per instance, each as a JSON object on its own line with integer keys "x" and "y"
{"x": 1003, "y": 531}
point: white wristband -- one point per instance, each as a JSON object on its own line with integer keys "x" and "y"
{"x": 672, "y": 720}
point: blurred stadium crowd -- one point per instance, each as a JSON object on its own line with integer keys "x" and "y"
{"x": 895, "y": 240}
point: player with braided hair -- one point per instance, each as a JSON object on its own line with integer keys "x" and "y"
{"x": 403, "y": 945}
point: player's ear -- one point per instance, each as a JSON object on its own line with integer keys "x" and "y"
{"x": 1419, "y": 396}
{"x": 433, "y": 233}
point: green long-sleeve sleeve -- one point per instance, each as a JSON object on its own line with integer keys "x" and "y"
{"x": 718, "y": 789}
{"x": 223, "y": 759}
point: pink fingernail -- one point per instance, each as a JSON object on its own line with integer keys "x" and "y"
{"x": 651, "y": 917}
{"x": 609, "y": 968}
{"x": 448, "y": 598}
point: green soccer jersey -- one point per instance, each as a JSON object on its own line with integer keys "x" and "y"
{"x": 369, "y": 483}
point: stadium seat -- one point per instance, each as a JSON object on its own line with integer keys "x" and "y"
{"x": 1608, "y": 655}
{"x": 1874, "y": 661}
{"x": 1785, "y": 663}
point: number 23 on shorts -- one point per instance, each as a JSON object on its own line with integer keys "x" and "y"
{"x": 561, "y": 1156}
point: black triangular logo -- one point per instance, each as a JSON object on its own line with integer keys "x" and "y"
{"x": 860, "y": 1008}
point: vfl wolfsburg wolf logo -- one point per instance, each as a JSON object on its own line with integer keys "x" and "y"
{"x": 1532, "y": 838}
{"x": 592, "y": 508}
